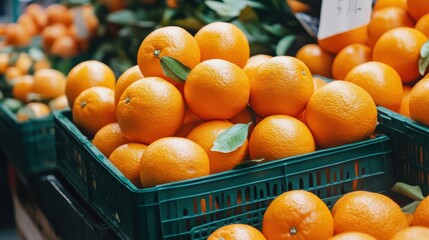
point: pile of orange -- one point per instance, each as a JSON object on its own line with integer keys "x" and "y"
{"x": 382, "y": 57}
{"x": 358, "y": 215}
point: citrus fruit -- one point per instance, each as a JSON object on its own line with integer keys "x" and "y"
{"x": 419, "y": 102}
{"x": 149, "y": 109}
{"x": 412, "y": 233}
{"x": 318, "y": 83}
{"x": 340, "y": 113}
{"x": 236, "y": 231}
{"x": 22, "y": 87}
{"x": 420, "y": 216}
{"x": 216, "y": 89}
{"x": 93, "y": 109}
{"x": 423, "y": 25}
{"x": 58, "y": 13}
{"x": 297, "y": 214}
{"x": 172, "y": 159}
{"x": 280, "y": 136}
{"x": 17, "y": 35}
{"x": 59, "y": 103}
{"x": 27, "y": 22}
{"x": 253, "y": 63}
{"x": 32, "y": 110}
{"x": 316, "y": 59}
{"x": 348, "y": 58}
{"x": 205, "y": 135}
{"x": 88, "y": 74}
{"x": 400, "y": 48}
{"x": 51, "y": 33}
{"x": 129, "y": 76}
{"x": 352, "y": 236}
{"x": 405, "y": 102}
{"x": 381, "y": 81}
{"x": 417, "y": 8}
{"x": 126, "y": 159}
{"x": 335, "y": 43}
{"x": 380, "y": 4}
{"x": 368, "y": 212}
{"x": 282, "y": 85}
{"x": 174, "y": 42}
{"x": 49, "y": 83}
{"x": 65, "y": 47}
{"x": 189, "y": 122}
{"x": 108, "y": 138}
{"x": 222, "y": 40}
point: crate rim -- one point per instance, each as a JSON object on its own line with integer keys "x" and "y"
{"x": 30, "y": 121}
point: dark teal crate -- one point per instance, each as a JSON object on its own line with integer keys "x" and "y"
{"x": 30, "y": 145}
{"x": 410, "y": 144}
{"x": 172, "y": 211}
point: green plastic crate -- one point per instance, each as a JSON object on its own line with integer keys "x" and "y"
{"x": 410, "y": 147}
{"x": 171, "y": 211}
{"x": 30, "y": 145}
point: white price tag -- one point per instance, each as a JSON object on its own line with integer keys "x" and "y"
{"x": 339, "y": 16}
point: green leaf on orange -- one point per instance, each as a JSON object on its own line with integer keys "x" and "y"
{"x": 174, "y": 69}
{"x": 424, "y": 60}
{"x": 231, "y": 139}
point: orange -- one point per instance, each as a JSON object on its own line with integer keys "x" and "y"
{"x": 28, "y": 23}
{"x": 51, "y": 33}
{"x": 282, "y": 85}
{"x": 386, "y": 19}
{"x": 108, "y": 138}
{"x": 421, "y": 214}
{"x": 318, "y": 83}
{"x": 49, "y": 83}
{"x": 38, "y": 14}
{"x": 236, "y": 231}
{"x": 417, "y": 8}
{"x": 129, "y": 76}
{"x": 222, "y": 40}
{"x": 217, "y": 89}
{"x": 381, "y": 81}
{"x": 405, "y": 102}
{"x": 12, "y": 72}
{"x": 380, "y": 4}
{"x": 352, "y": 236}
{"x": 423, "y": 25}
{"x": 317, "y": 60}
{"x": 42, "y": 63}
{"x": 297, "y": 6}
{"x": 59, "y": 103}
{"x": 174, "y": 42}
{"x": 24, "y": 62}
{"x": 81, "y": 37}
{"x": 113, "y": 5}
{"x": 253, "y": 63}
{"x": 280, "y": 136}
{"x": 205, "y": 135}
{"x": 4, "y": 62}
{"x": 126, "y": 159}
{"x": 368, "y": 212}
{"x": 410, "y": 217}
{"x": 93, "y": 109}
{"x": 88, "y": 74}
{"x": 150, "y": 109}
{"x": 400, "y": 48}
{"x": 65, "y": 47}
{"x": 172, "y": 159}
{"x": 297, "y": 214}
{"x": 340, "y": 113}
{"x": 57, "y": 13}
{"x": 348, "y": 58}
{"x": 412, "y": 233}
{"x": 22, "y": 87}
{"x": 335, "y": 43}
{"x": 189, "y": 122}
{"x": 17, "y": 35}
{"x": 32, "y": 110}
{"x": 419, "y": 101}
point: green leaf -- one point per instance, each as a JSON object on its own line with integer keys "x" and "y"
{"x": 231, "y": 139}
{"x": 284, "y": 44}
{"x": 276, "y": 29}
{"x": 413, "y": 192}
{"x": 124, "y": 17}
{"x": 13, "y": 104}
{"x": 223, "y": 9}
{"x": 423, "y": 65}
{"x": 174, "y": 69}
{"x": 424, "y": 51}
{"x": 410, "y": 208}
{"x": 249, "y": 163}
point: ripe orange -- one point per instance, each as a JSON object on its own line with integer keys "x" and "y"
{"x": 423, "y": 25}
{"x": 381, "y": 4}
{"x": 27, "y": 22}
{"x": 352, "y": 236}
{"x": 297, "y": 6}
{"x": 129, "y": 76}
{"x": 49, "y": 83}
{"x": 150, "y": 109}
{"x": 32, "y": 110}
{"x": 217, "y": 89}
{"x": 108, "y": 138}
{"x": 335, "y": 43}
{"x": 280, "y": 136}
{"x": 17, "y": 35}
{"x": 24, "y": 62}
{"x": 93, "y": 109}
{"x": 4, "y": 62}
{"x": 51, "y": 33}
{"x": 282, "y": 85}
{"x": 340, "y": 113}
{"x": 205, "y": 135}
{"x": 58, "y": 13}
{"x": 410, "y": 217}
{"x": 405, "y": 102}
{"x": 417, "y": 8}
{"x": 412, "y": 233}
{"x": 316, "y": 59}
{"x": 222, "y": 40}
{"x": 421, "y": 215}
{"x": 297, "y": 214}
{"x": 385, "y": 19}
{"x": 318, "y": 83}
{"x": 126, "y": 159}
{"x": 400, "y": 48}
{"x": 368, "y": 212}
{"x": 59, "y": 103}
{"x": 172, "y": 159}
{"x": 169, "y": 41}
{"x": 381, "y": 81}
{"x": 253, "y": 63}
{"x": 22, "y": 87}
{"x": 236, "y": 231}
{"x": 348, "y": 58}
{"x": 88, "y": 74}
{"x": 419, "y": 101}
{"x": 65, "y": 47}
{"x": 189, "y": 122}
{"x": 37, "y": 12}
{"x": 12, "y": 72}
